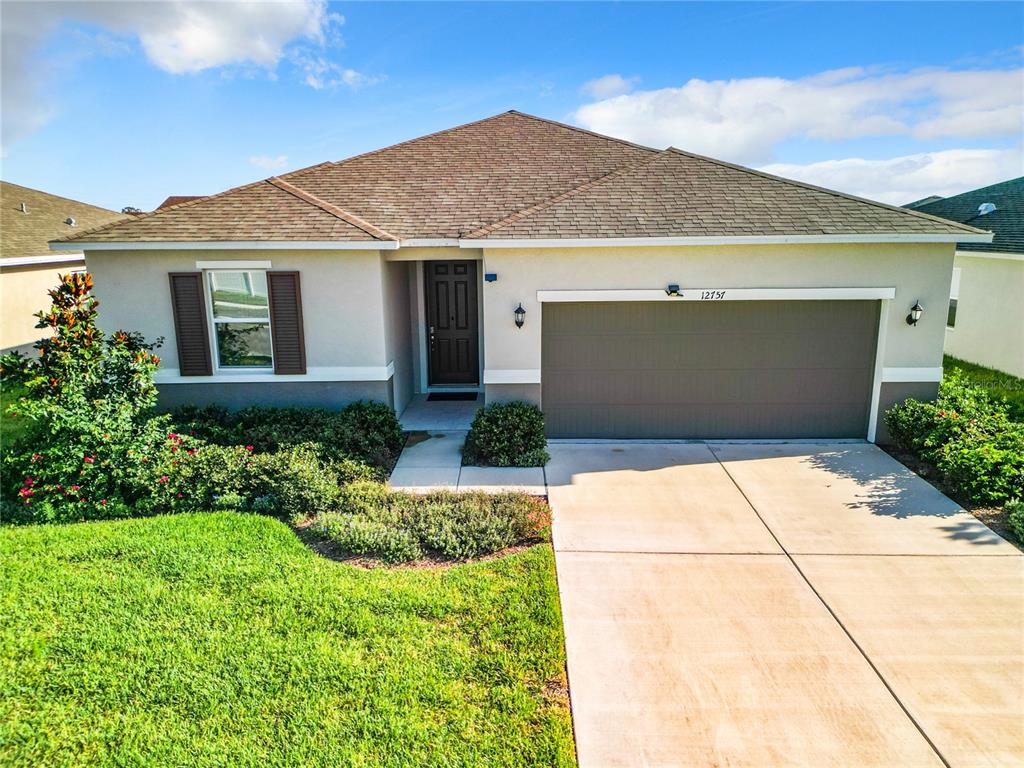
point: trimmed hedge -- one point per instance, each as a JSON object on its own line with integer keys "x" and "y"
{"x": 1015, "y": 518}
{"x": 968, "y": 436}
{"x": 507, "y": 435}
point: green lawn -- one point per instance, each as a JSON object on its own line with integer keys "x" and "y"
{"x": 221, "y": 640}
{"x": 998, "y": 383}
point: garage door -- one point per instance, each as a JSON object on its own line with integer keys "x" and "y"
{"x": 742, "y": 369}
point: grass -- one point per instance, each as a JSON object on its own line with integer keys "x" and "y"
{"x": 221, "y": 640}
{"x": 998, "y": 383}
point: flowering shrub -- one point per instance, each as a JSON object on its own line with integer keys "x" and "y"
{"x": 968, "y": 436}
{"x": 92, "y": 442}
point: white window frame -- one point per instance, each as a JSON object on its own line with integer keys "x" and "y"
{"x": 954, "y": 295}
{"x": 214, "y": 322}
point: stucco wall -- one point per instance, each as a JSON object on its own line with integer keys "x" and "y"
{"x": 22, "y": 294}
{"x": 342, "y": 298}
{"x": 917, "y": 272}
{"x": 990, "y": 313}
{"x": 398, "y": 330}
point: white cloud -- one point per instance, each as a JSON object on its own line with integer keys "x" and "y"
{"x": 745, "y": 120}
{"x": 323, "y": 73}
{"x": 182, "y": 37}
{"x": 902, "y": 180}
{"x": 268, "y": 162}
{"x": 609, "y": 85}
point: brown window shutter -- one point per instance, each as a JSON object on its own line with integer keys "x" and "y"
{"x": 286, "y": 322}
{"x": 190, "y": 327}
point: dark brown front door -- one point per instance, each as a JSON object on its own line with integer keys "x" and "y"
{"x": 452, "y": 343}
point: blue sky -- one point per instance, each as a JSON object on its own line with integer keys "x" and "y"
{"x": 125, "y": 103}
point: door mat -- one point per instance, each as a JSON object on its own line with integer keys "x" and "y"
{"x": 464, "y": 396}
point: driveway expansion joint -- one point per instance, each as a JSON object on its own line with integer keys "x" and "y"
{"x": 835, "y": 616}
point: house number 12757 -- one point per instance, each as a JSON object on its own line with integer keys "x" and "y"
{"x": 711, "y": 295}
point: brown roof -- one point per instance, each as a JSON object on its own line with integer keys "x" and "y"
{"x": 27, "y": 234}
{"x": 679, "y": 194}
{"x": 518, "y": 176}
{"x": 175, "y": 199}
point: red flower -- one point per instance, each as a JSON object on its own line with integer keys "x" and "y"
{"x": 248, "y": 448}
{"x": 89, "y": 459}
{"x": 103, "y": 502}
{"x": 75, "y": 487}
{"x": 181, "y": 495}
{"x": 163, "y": 479}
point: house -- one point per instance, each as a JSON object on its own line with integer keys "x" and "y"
{"x": 28, "y": 268}
{"x": 985, "y": 323}
{"x": 631, "y": 292}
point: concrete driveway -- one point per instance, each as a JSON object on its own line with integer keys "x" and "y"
{"x": 782, "y": 604}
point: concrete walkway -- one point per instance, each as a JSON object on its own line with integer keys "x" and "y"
{"x": 782, "y": 604}
{"x": 432, "y": 461}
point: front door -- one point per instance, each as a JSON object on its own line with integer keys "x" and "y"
{"x": 452, "y": 341}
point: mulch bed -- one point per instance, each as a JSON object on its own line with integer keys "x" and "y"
{"x": 993, "y": 517}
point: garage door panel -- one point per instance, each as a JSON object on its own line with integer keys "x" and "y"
{"x": 706, "y": 370}
{"x": 687, "y": 352}
{"x": 699, "y": 388}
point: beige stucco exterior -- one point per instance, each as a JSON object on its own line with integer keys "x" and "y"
{"x": 363, "y": 309}
{"x": 917, "y": 272}
{"x": 23, "y": 292}
{"x": 990, "y": 311}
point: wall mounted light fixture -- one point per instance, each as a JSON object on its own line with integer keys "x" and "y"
{"x": 672, "y": 289}
{"x": 520, "y": 315}
{"x": 915, "y": 313}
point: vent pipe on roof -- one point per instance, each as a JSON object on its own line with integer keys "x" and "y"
{"x": 23, "y": 208}
{"x": 70, "y": 221}
{"x": 986, "y": 208}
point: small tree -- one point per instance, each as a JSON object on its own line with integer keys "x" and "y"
{"x": 95, "y": 444}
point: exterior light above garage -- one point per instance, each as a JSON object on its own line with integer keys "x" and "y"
{"x": 520, "y": 315}
{"x": 915, "y": 313}
{"x": 672, "y": 289}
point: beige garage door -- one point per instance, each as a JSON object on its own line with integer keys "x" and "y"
{"x": 743, "y": 369}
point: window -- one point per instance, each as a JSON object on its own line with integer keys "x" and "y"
{"x": 954, "y": 294}
{"x": 241, "y": 318}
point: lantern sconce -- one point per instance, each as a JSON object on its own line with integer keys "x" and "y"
{"x": 915, "y": 313}
{"x": 672, "y": 289}
{"x": 520, "y": 315}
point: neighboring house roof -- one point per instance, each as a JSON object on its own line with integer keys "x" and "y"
{"x": 175, "y": 199}
{"x": 1006, "y": 221}
{"x": 923, "y": 201}
{"x": 27, "y": 234}
{"x": 522, "y": 177}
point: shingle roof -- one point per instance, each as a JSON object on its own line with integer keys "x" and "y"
{"x": 536, "y": 178}
{"x": 263, "y": 210}
{"x": 679, "y": 194}
{"x": 1006, "y": 221}
{"x": 27, "y": 234}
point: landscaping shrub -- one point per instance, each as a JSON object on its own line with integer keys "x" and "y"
{"x": 372, "y": 520}
{"x": 290, "y": 483}
{"x": 507, "y": 435}
{"x": 460, "y": 526}
{"x": 364, "y": 431}
{"x": 1015, "y": 518}
{"x": 361, "y": 535}
{"x": 92, "y": 444}
{"x": 968, "y": 436}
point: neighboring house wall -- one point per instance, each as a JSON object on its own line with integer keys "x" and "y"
{"x": 911, "y": 358}
{"x": 23, "y": 292}
{"x": 989, "y": 327}
{"x": 344, "y": 318}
